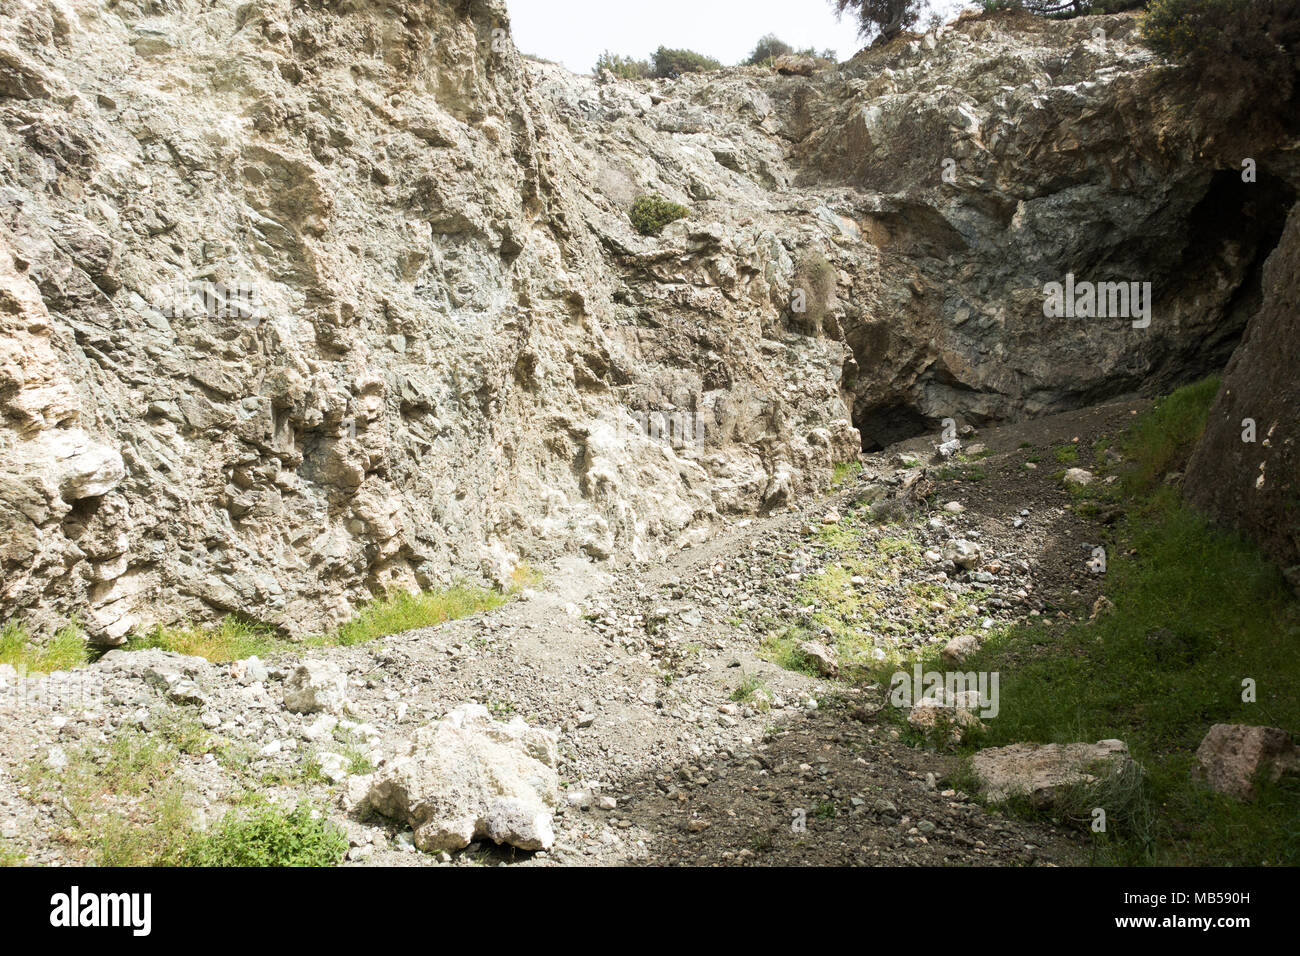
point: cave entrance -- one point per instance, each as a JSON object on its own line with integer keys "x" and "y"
{"x": 1250, "y": 215}
{"x": 883, "y": 424}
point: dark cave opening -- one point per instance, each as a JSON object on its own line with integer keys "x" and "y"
{"x": 1249, "y": 214}
{"x": 886, "y": 423}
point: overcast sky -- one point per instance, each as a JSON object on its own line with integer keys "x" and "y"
{"x": 575, "y": 32}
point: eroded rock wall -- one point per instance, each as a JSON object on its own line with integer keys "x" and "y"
{"x": 299, "y": 306}
{"x": 304, "y": 300}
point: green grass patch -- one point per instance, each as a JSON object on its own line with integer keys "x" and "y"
{"x": 10, "y": 855}
{"x": 1161, "y": 440}
{"x": 1198, "y": 613}
{"x": 270, "y": 836}
{"x": 400, "y": 611}
{"x": 64, "y": 651}
{"x": 863, "y": 621}
{"x": 229, "y": 640}
{"x": 1066, "y": 454}
{"x": 844, "y": 472}
{"x": 963, "y": 472}
{"x": 783, "y": 650}
{"x": 232, "y": 639}
{"x": 123, "y": 805}
{"x": 752, "y": 689}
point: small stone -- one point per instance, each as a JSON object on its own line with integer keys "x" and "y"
{"x": 333, "y": 766}
{"x": 959, "y": 649}
{"x": 963, "y": 553}
{"x": 821, "y": 657}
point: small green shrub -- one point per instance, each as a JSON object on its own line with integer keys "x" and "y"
{"x": 650, "y": 214}
{"x": 1242, "y": 57}
{"x": 624, "y": 67}
{"x": 673, "y": 63}
{"x": 768, "y": 49}
{"x": 269, "y": 836}
{"x": 1180, "y": 29}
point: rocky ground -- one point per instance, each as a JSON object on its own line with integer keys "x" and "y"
{"x": 680, "y": 741}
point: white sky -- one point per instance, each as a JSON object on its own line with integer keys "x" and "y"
{"x": 575, "y": 32}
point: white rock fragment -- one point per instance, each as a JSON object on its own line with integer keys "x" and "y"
{"x": 316, "y": 686}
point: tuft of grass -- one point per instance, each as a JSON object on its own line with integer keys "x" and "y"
{"x": 399, "y": 611}
{"x": 752, "y": 689}
{"x": 229, "y": 640}
{"x": 1162, "y": 440}
{"x": 64, "y": 651}
{"x": 844, "y": 472}
{"x": 1066, "y": 454}
{"x": 11, "y": 855}
{"x": 525, "y": 576}
{"x": 783, "y": 651}
{"x": 270, "y": 836}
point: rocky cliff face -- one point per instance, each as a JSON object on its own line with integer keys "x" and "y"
{"x": 306, "y": 300}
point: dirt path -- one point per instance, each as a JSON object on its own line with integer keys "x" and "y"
{"x": 682, "y": 742}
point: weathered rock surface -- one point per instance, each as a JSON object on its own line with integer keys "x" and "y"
{"x": 316, "y": 686}
{"x": 1245, "y": 471}
{"x": 1043, "y": 772}
{"x": 467, "y": 776}
{"x": 1233, "y": 757}
{"x": 303, "y": 301}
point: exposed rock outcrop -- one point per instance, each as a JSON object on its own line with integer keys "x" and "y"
{"x": 305, "y": 301}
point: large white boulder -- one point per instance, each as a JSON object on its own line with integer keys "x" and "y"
{"x": 467, "y": 776}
